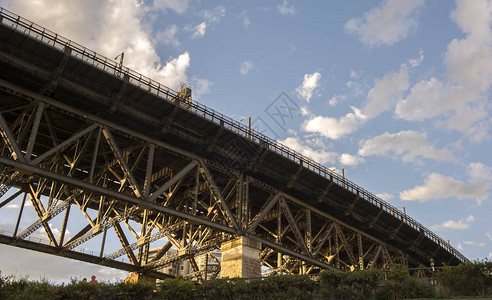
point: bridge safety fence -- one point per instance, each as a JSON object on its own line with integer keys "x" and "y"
{"x": 113, "y": 68}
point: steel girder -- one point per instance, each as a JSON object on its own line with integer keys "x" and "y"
{"x": 148, "y": 191}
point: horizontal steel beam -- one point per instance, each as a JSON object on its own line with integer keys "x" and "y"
{"x": 88, "y": 187}
{"x": 8, "y": 240}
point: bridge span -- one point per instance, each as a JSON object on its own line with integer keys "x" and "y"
{"x": 126, "y": 169}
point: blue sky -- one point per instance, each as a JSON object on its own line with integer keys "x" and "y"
{"x": 395, "y": 92}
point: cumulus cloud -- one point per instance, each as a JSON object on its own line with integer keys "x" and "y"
{"x": 334, "y": 128}
{"x": 469, "y": 60}
{"x": 320, "y": 156}
{"x": 199, "y": 30}
{"x": 168, "y": 36}
{"x": 385, "y": 24}
{"x": 459, "y": 103}
{"x": 386, "y": 91}
{"x": 461, "y": 107}
{"x": 438, "y": 186}
{"x": 200, "y": 86}
{"x": 178, "y": 6}
{"x": 385, "y": 196}
{"x": 309, "y": 84}
{"x": 337, "y": 98}
{"x": 245, "y": 67}
{"x": 285, "y": 9}
{"x": 350, "y": 160}
{"x": 406, "y": 145}
{"x": 213, "y": 15}
{"x": 454, "y": 225}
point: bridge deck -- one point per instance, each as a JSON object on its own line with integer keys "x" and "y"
{"x": 97, "y": 86}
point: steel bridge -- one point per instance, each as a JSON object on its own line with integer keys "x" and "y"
{"x": 146, "y": 167}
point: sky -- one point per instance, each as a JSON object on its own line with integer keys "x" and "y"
{"x": 395, "y": 92}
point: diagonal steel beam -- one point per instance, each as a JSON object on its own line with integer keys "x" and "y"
{"x": 112, "y": 194}
{"x": 295, "y": 228}
{"x": 62, "y": 145}
{"x": 172, "y": 181}
{"x": 6, "y": 201}
{"x": 124, "y": 242}
{"x": 217, "y": 194}
{"x": 121, "y": 160}
{"x": 324, "y": 239}
{"x": 346, "y": 245}
{"x": 10, "y": 141}
{"x": 259, "y": 217}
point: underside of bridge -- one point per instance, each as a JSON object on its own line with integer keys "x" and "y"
{"x": 144, "y": 167}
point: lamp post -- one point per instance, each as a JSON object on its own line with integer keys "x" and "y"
{"x": 249, "y": 124}
{"x": 343, "y": 174}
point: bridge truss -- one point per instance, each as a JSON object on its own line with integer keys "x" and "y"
{"x": 150, "y": 171}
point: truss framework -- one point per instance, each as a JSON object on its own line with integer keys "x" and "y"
{"x": 146, "y": 191}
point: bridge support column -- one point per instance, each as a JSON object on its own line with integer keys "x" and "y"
{"x": 240, "y": 258}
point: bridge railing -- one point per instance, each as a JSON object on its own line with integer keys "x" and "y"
{"x": 110, "y": 66}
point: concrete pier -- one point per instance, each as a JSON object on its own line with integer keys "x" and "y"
{"x": 240, "y": 258}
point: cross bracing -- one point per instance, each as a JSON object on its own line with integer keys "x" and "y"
{"x": 142, "y": 165}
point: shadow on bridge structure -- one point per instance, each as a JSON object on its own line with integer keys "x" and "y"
{"x": 122, "y": 171}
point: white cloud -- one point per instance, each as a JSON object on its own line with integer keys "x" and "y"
{"x": 246, "y": 20}
{"x": 430, "y": 98}
{"x": 462, "y": 108}
{"x": 479, "y": 171}
{"x": 199, "y": 30}
{"x": 454, "y": 225}
{"x": 12, "y": 206}
{"x": 350, "y": 160}
{"x": 386, "y": 24}
{"x": 320, "y": 156}
{"x": 386, "y": 91}
{"x": 469, "y": 60}
{"x": 168, "y": 36}
{"x": 178, "y": 6}
{"x": 407, "y": 145}
{"x": 334, "y": 128}
{"x": 489, "y": 236}
{"x": 286, "y": 9}
{"x": 309, "y": 84}
{"x": 471, "y": 243}
{"x": 438, "y": 186}
{"x": 200, "y": 86}
{"x": 385, "y": 196}
{"x": 245, "y": 67}
{"x": 337, "y": 98}
{"x": 213, "y": 15}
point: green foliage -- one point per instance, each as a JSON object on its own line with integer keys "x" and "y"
{"x": 400, "y": 285}
{"x": 134, "y": 291}
{"x": 348, "y": 285}
{"x": 284, "y": 287}
{"x": 179, "y": 289}
{"x": 468, "y": 279}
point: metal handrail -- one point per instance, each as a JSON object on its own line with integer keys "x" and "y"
{"x": 113, "y": 68}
